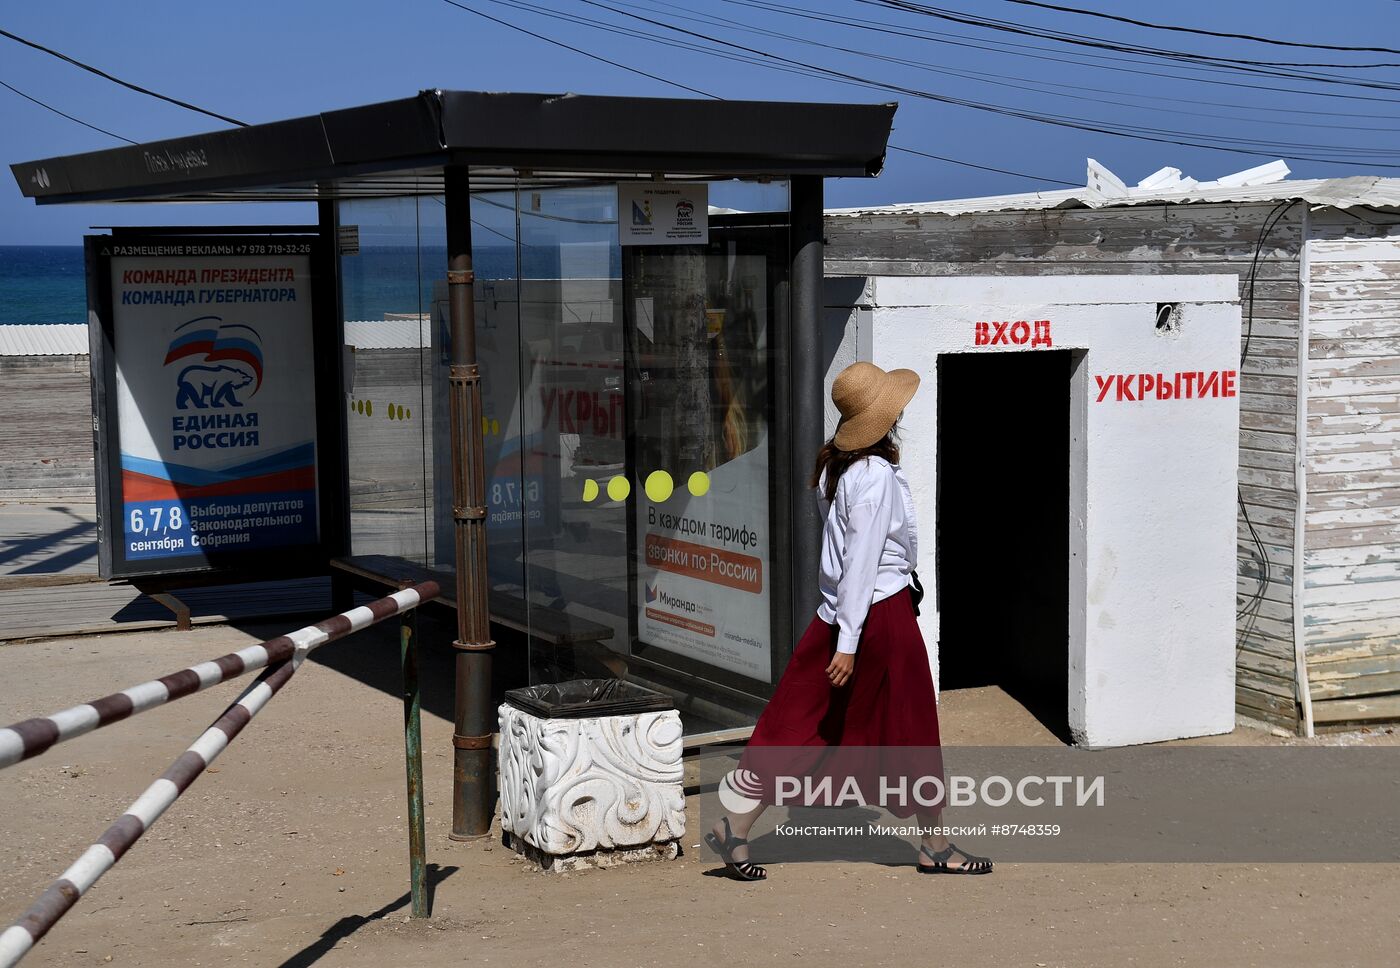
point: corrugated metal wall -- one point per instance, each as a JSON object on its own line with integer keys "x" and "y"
{"x": 1148, "y": 239}
{"x": 1352, "y": 545}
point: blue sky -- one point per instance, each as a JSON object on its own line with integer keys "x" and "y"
{"x": 261, "y": 61}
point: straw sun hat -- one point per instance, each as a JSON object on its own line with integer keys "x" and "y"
{"x": 870, "y": 400}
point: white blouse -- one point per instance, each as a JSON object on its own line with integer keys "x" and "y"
{"x": 870, "y": 544}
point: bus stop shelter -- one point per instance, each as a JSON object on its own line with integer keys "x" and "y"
{"x": 587, "y": 384}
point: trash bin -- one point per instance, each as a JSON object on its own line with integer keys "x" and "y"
{"x": 591, "y": 774}
{"x": 587, "y": 697}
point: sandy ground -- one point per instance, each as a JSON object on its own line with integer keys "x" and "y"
{"x": 291, "y": 851}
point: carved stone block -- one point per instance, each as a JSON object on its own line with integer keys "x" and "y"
{"x": 608, "y": 784}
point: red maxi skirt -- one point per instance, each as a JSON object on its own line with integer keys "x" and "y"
{"x": 881, "y": 726}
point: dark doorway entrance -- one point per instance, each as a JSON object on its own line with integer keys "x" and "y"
{"x": 1003, "y": 527}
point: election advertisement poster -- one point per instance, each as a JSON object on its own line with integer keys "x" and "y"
{"x": 215, "y": 399}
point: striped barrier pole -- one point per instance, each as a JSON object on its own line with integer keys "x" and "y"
{"x": 33, "y": 736}
{"x": 59, "y": 898}
{"x": 63, "y": 893}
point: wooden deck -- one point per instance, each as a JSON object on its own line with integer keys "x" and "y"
{"x": 46, "y": 608}
{"x": 47, "y": 444}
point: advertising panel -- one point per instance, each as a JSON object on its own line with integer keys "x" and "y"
{"x": 214, "y": 394}
{"x": 702, "y": 529}
{"x": 703, "y": 574}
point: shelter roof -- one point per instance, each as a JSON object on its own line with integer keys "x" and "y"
{"x": 508, "y": 140}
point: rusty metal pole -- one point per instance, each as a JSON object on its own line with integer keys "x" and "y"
{"x": 413, "y": 763}
{"x": 473, "y": 776}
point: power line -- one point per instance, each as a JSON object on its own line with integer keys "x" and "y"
{"x": 1100, "y": 61}
{"x": 117, "y": 80}
{"x": 1250, "y": 611}
{"x": 479, "y": 224}
{"x": 49, "y": 107}
{"x": 1099, "y": 95}
{"x": 641, "y": 35}
{"x": 1243, "y": 146}
{"x": 1213, "y": 33}
{"x": 557, "y": 43}
{"x": 766, "y": 60}
{"x": 1000, "y": 171}
{"x": 1270, "y": 69}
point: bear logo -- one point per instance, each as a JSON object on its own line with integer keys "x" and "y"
{"x": 203, "y": 387}
{"x": 212, "y": 382}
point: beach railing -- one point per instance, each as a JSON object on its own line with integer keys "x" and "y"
{"x": 280, "y": 658}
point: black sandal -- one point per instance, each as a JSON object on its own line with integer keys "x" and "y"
{"x": 742, "y": 869}
{"x": 971, "y": 864}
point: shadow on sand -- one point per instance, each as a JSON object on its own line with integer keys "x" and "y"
{"x": 348, "y": 925}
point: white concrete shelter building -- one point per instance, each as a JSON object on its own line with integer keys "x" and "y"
{"x": 1318, "y": 268}
{"x": 1072, "y": 454}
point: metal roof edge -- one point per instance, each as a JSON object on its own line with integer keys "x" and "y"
{"x": 435, "y": 126}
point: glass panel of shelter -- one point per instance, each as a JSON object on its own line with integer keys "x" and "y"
{"x": 628, "y": 397}
{"x": 646, "y": 479}
{"x": 574, "y": 513}
{"x": 387, "y": 292}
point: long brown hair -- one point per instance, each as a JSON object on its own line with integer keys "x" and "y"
{"x": 835, "y": 461}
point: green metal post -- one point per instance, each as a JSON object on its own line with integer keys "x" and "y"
{"x": 413, "y": 761}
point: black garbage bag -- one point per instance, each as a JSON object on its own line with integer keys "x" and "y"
{"x": 577, "y": 698}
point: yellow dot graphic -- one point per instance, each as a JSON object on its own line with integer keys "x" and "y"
{"x": 409, "y": 412}
{"x": 699, "y": 484}
{"x": 590, "y": 490}
{"x": 400, "y": 411}
{"x": 485, "y": 426}
{"x": 495, "y": 426}
{"x": 391, "y": 411}
{"x": 369, "y": 408}
{"x": 619, "y": 488}
{"x": 659, "y": 486}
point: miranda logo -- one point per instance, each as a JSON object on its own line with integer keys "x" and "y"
{"x": 654, "y": 594}
{"x": 679, "y": 604}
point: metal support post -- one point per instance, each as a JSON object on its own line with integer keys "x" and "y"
{"x": 808, "y": 412}
{"x": 473, "y": 774}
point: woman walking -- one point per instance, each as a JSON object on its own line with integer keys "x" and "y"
{"x": 859, "y": 676}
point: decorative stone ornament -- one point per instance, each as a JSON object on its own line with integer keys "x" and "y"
{"x": 593, "y": 791}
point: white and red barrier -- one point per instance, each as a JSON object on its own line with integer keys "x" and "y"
{"x": 62, "y": 894}
{"x": 33, "y": 736}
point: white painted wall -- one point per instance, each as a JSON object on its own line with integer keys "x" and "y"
{"x": 1153, "y": 483}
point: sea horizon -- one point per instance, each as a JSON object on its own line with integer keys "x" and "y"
{"x": 42, "y": 284}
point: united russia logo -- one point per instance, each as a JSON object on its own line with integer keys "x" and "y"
{"x": 225, "y": 360}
